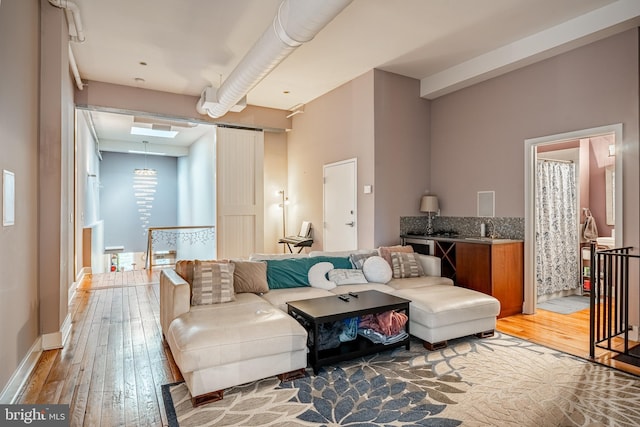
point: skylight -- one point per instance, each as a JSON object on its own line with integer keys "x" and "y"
{"x": 162, "y": 133}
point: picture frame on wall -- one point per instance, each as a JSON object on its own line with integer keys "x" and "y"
{"x": 8, "y": 198}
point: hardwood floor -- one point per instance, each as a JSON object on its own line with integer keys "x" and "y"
{"x": 565, "y": 332}
{"x": 115, "y": 359}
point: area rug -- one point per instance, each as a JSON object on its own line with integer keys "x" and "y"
{"x": 566, "y": 305}
{"x": 498, "y": 381}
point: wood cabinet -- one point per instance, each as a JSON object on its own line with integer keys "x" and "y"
{"x": 494, "y": 269}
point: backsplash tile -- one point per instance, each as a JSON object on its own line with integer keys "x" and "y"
{"x": 505, "y": 227}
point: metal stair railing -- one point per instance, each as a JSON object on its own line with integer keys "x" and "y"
{"x": 609, "y": 309}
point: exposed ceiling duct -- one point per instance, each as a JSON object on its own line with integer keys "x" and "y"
{"x": 73, "y": 16}
{"x": 296, "y": 22}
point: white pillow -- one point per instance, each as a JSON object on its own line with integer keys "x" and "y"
{"x": 377, "y": 269}
{"x": 347, "y": 276}
{"x": 317, "y": 278}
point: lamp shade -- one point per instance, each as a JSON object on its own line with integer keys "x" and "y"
{"x": 429, "y": 204}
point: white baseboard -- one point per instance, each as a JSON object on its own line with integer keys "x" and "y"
{"x": 21, "y": 375}
{"x": 85, "y": 271}
{"x": 57, "y": 339}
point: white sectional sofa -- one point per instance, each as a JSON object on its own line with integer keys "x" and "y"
{"x": 217, "y": 346}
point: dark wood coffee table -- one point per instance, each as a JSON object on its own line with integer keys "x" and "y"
{"x": 311, "y": 313}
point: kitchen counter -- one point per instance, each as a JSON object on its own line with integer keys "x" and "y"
{"x": 459, "y": 239}
{"x": 492, "y": 266}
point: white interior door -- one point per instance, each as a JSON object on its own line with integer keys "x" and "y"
{"x": 339, "y": 206}
{"x": 240, "y": 203}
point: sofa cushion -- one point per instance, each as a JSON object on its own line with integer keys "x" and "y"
{"x": 318, "y": 278}
{"x": 345, "y": 289}
{"x": 212, "y": 282}
{"x": 419, "y": 282}
{"x": 346, "y": 254}
{"x": 264, "y": 257}
{"x": 376, "y": 269}
{"x": 341, "y": 276}
{"x": 406, "y": 264}
{"x": 280, "y": 297}
{"x": 250, "y": 277}
{"x": 201, "y": 338}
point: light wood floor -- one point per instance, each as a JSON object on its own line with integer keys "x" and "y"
{"x": 115, "y": 359}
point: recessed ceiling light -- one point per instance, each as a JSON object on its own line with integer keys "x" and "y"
{"x": 142, "y": 63}
{"x": 286, "y": 92}
{"x": 139, "y": 80}
{"x": 162, "y": 133}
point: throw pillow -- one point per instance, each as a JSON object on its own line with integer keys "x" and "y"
{"x": 377, "y": 270}
{"x": 318, "y": 278}
{"x": 185, "y": 270}
{"x": 358, "y": 259}
{"x": 212, "y": 282}
{"x": 337, "y": 261}
{"x": 405, "y": 265}
{"x": 347, "y": 276}
{"x": 294, "y": 272}
{"x": 250, "y": 277}
{"x": 287, "y": 273}
{"x": 385, "y": 251}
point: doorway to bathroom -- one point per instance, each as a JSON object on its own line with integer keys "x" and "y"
{"x": 587, "y": 152}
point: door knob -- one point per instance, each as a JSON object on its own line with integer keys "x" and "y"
{"x": 350, "y": 224}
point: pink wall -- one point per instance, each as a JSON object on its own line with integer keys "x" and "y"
{"x": 401, "y": 153}
{"x": 598, "y": 160}
{"x": 337, "y": 126}
{"x": 380, "y": 119}
{"x": 478, "y": 133}
{"x": 19, "y": 100}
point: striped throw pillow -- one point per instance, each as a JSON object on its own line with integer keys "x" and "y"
{"x": 212, "y": 282}
{"x": 406, "y": 264}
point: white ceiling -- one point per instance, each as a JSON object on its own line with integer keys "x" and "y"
{"x": 190, "y": 44}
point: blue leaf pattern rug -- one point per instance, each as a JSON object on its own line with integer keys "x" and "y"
{"x": 498, "y": 381}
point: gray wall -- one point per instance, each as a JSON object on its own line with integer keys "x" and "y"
{"x": 122, "y": 226}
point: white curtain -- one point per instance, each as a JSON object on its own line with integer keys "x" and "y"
{"x": 557, "y": 266}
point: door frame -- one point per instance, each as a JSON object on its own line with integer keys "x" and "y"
{"x": 530, "y": 158}
{"x": 354, "y": 161}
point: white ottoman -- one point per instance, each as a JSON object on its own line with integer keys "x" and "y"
{"x": 442, "y": 312}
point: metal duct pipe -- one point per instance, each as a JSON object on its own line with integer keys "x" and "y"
{"x": 74, "y": 70}
{"x": 296, "y": 22}
{"x": 75, "y": 13}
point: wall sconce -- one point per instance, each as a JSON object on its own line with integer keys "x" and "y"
{"x": 429, "y": 204}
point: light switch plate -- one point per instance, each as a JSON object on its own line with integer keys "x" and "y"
{"x": 368, "y": 189}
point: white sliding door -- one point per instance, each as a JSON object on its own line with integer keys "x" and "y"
{"x": 240, "y": 190}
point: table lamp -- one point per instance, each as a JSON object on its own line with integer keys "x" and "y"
{"x": 429, "y": 204}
